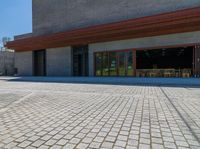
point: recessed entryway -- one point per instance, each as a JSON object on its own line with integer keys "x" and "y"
{"x": 80, "y": 60}
{"x": 39, "y": 63}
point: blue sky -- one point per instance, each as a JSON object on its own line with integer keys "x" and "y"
{"x": 15, "y": 17}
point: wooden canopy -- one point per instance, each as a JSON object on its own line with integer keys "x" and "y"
{"x": 168, "y": 23}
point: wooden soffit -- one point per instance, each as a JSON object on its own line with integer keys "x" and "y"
{"x": 168, "y": 23}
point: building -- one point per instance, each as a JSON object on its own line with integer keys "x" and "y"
{"x": 6, "y": 63}
{"x": 111, "y": 38}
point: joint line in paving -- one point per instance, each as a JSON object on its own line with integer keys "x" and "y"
{"x": 181, "y": 116}
{"x": 16, "y": 102}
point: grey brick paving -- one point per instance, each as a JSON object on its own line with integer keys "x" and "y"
{"x": 67, "y": 115}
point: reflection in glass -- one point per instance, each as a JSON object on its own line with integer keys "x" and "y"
{"x": 105, "y": 68}
{"x": 113, "y": 64}
{"x": 98, "y": 64}
{"x": 130, "y": 63}
{"x": 122, "y": 63}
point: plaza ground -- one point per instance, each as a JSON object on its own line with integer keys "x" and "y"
{"x": 99, "y": 113}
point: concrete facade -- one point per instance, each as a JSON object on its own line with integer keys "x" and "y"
{"x": 51, "y": 16}
{"x": 24, "y": 63}
{"x": 58, "y": 61}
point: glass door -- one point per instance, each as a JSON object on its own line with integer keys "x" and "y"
{"x": 80, "y": 61}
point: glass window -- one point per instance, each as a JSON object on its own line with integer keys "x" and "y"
{"x": 98, "y": 64}
{"x": 122, "y": 63}
{"x": 105, "y": 64}
{"x": 130, "y": 63}
{"x": 113, "y": 63}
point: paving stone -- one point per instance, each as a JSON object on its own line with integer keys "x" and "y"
{"x": 131, "y": 147}
{"x": 38, "y": 143}
{"x": 24, "y": 144}
{"x": 82, "y": 145}
{"x": 99, "y": 139}
{"x": 21, "y": 139}
{"x": 56, "y": 147}
{"x": 144, "y": 141}
{"x": 169, "y": 145}
{"x": 69, "y": 146}
{"x": 144, "y": 146}
{"x": 107, "y": 145}
{"x": 120, "y": 143}
{"x": 122, "y": 138}
{"x": 133, "y": 142}
{"x": 10, "y": 145}
{"x": 157, "y": 140}
{"x": 157, "y": 146}
{"x": 57, "y": 137}
{"x": 110, "y": 139}
{"x": 74, "y": 141}
{"x": 95, "y": 145}
{"x": 46, "y": 137}
{"x": 44, "y": 147}
{"x": 31, "y": 147}
{"x": 51, "y": 142}
{"x": 87, "y": 140}
{"x": 33, "y": 138}
{"x": 62, "y": 142}
{"x": 182, "y": 143}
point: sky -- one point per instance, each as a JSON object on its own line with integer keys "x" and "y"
{"x": 15, "y": 17}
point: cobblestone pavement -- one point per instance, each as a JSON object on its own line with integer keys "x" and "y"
{"x": 64, "y": 115}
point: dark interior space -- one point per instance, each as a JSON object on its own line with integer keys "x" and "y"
{"x": 158, "y": 61}
{"x": 39, "y": 63}
{"x": 80, "y": 61}
{"x": 165, "y": 58}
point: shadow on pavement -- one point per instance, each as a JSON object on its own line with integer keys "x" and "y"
{"x": 168, "y": 82}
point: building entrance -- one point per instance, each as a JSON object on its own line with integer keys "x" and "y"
{"x": 80, "y": 61}
{"x": 39, "y": 62}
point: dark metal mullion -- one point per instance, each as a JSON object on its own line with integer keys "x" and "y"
{"x": 101, "y": 64}
{"x": 126, "y": 63}
{"x": 134, "y": 62}
{"x": 108, "y": 63}
{"x": 193, "y": 71}
{"x": 117, "y": 62}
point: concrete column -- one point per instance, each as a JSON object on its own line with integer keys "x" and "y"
{"x": 24, "y": 63}
{"x": 59, "y": 61}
